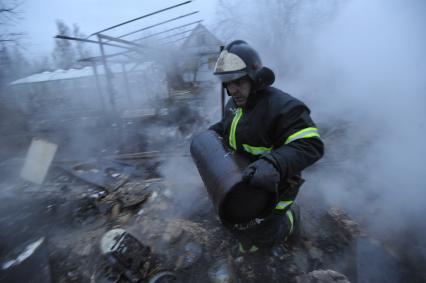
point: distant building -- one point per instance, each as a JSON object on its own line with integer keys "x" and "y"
{"x": 200, "y": 51}
{"x": 137, "y": 84}
{"x": 60, "y": 92}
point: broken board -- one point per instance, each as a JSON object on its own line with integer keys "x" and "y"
{"x": 40, "y": 156}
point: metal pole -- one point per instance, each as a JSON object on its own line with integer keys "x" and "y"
{"x": 98, "y": 86}
{"x": 88, "y": 41}
{"x": 106, "y": 56}
{"x": 167, "y": 30}
{"x": 111, "y": 38}
{"x": 108, "y": 76}
{"x": 126, "y": 83}
{"x": 141, "y": 17}
{"x": 157, "y": 24}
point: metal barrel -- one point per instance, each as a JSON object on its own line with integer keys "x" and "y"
{"x": 220, "y": 169}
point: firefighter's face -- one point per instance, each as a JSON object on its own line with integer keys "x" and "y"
{"x": 239, "y": 90}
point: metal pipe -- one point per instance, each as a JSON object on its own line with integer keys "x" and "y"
{"x": 126, "y": 84}
{"x": 221, "y": 171}
{"x": 99, "y": 58}
{"x": 141, "y": 17}
{"x": 157, "y": 24}
{"x": 88, "y": 41}
{"x": 108, "y": 75}
{"x": 167, "y": 30}
{"x": 111, "y": 38}
{"x": 98, "y": 86}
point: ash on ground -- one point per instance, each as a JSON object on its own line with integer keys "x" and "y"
{"x": 133, "y": 214}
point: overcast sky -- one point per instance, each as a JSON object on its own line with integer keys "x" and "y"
{"x": 39, "y": 16}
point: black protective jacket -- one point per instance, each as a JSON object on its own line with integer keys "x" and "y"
{"x": 275, "y": 126}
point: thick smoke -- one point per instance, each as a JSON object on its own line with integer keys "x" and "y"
{"x": 185, "y": 185}
{"x": 360, "y": 66}
{"x": 366, "y": 68}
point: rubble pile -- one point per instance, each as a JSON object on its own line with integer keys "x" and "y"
{"x": 74, "y": 216}
{"x": 118, "y": 219}
{"x": 322, "y": 276}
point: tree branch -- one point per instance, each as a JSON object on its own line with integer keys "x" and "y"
{"x": 6, "y": 10}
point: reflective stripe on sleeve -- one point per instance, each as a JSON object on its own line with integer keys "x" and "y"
{"x": 232, "y": 138}
{"x": 256, "y": 150}
{"x": 283, "y": 204}
{"x": 303, "y": 134}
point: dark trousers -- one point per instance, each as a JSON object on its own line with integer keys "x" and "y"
{"x": 273, "y": 228}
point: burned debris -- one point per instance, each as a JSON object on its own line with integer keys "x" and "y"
{"x": 131, "y": 233}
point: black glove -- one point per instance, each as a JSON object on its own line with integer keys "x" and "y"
{"x": 263, "y": 175}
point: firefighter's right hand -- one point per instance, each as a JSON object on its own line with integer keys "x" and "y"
{"x": 263, "y": 175}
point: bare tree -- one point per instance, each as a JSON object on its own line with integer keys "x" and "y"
{"x": 81, "y": 48}
{"x": 64, "y": 54}
{"x": 11, "y": 60}
{"x": 9, "y": 14}
{"x": 231, "y": 22}
{"x": 13, "y": 64}
{"x": 273, "y": 26}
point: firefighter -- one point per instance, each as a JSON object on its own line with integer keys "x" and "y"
{"x": 275, "y": 131}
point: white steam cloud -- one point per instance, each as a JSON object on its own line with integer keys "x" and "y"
{"x": 367, "y": 67}
{"x": 360, "y": 66}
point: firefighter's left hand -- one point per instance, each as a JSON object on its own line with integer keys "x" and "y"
{"x": 263, "y": 175}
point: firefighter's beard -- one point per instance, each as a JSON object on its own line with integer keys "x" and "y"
{"x": 240, "y": 97}
{"x": 240, "y": 100}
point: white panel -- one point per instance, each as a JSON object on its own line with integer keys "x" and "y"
{"x": 39, "y": 158}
